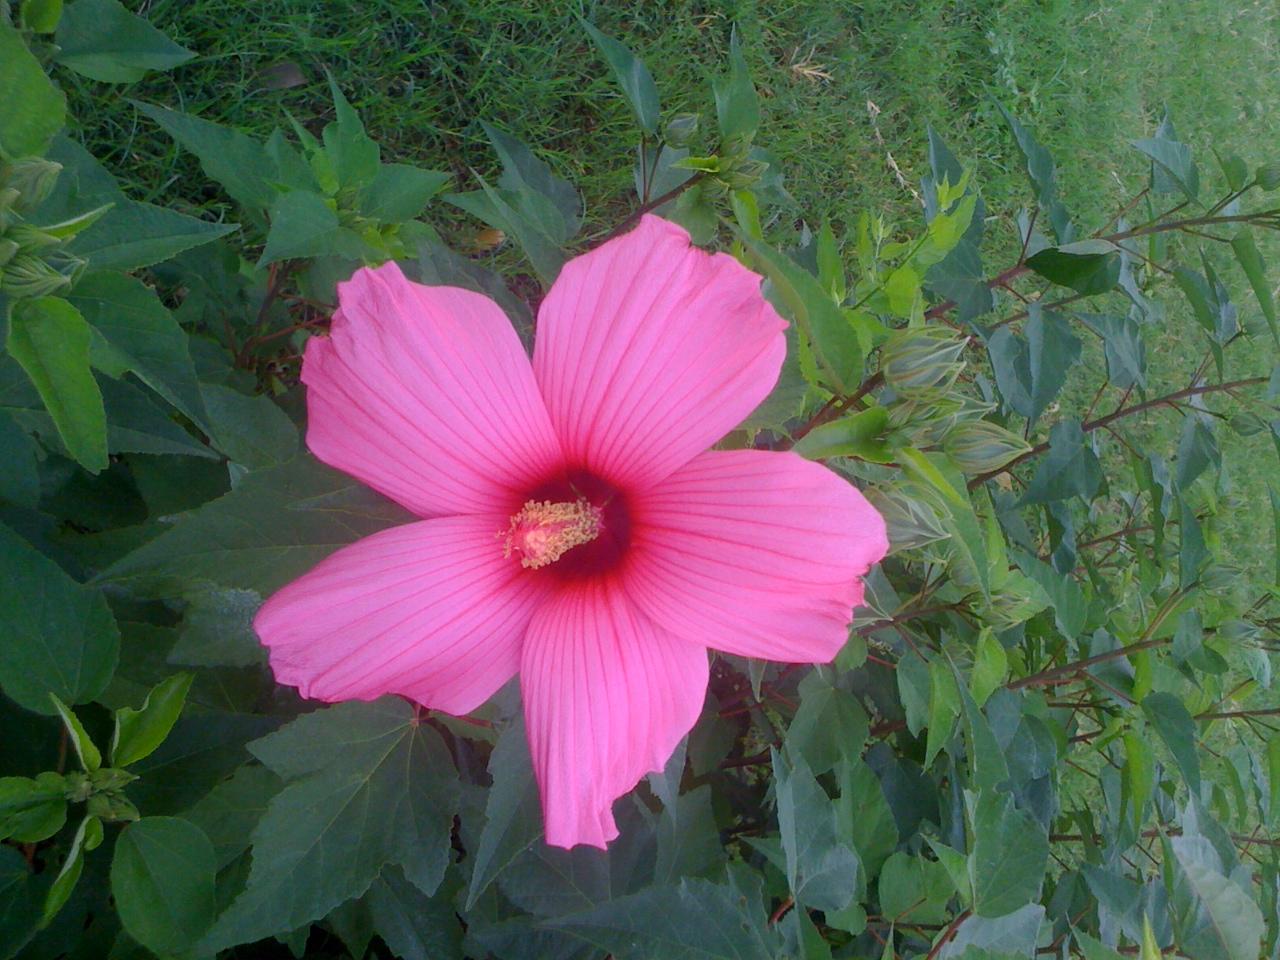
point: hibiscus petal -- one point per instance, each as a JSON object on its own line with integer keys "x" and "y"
{"x": 425, "y": 394}
{"x": 649, "y": 350}
{"x": 755, "y": 553}
{"x": 428, "y": 610}
{"x": 607, "y": 697}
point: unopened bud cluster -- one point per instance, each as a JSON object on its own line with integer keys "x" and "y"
{"x": 980, "y": 446}
{"x": 33, "y": 262}
{"x": 921, "y": 363}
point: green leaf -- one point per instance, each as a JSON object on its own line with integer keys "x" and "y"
{"x": 1273, "y": 781}
{"x": 42, "y": 16}
{"x": 50, "y": 339}
{"x": 830, "y": 725}
{"x": 229, "y": 812}
{"x": 697, "y": 920}
{"x": 1070, "y": 608}
{"x": 1031, "y": 371}
{"x": 1123, "y": 346}
{"x": 32, "y": 810}
{"x": 90, "y": 756}
{"x": 632, "y": 76}
{"x": 936, "y": 473}
{"x": 1197, "y": 449}
{"x": 217, "y": 629}
{"x": 1173, "y": 159}
{"x": 914, "y": 890}
{"x": 411, "y": 924}
{"x": 304, "y": 225}
{"x": 1088, "y": 267}
{"x": 913, "y": 690}
{"x": 944, "y": 708}
{"x": 275, "y": 525}
{"x": 400, "y": 192}
{"x": 820, "y": 321}
{"x": 139, "y": 732}
{"x": 513, "y": 815}
{"x": 1092, "y": 948}
{"x": 19, "y": 481}
{"x": 1250, "y": 260}
{"x": 863, "y": 815}
{"x": 1044, "y": 178}
{"x": 370, "y": 785}
{"x": 1137, "y": 780}
{"x": 546, "y": 202}
{"x": 1177, "y": 729}
{"x": 64, "y": 884}
{"x": 33, "y": 109}
{"x": 1228, "y": 924}
{"x": 251, "y": 430}
{"x": 142, "y": 335}
{"x": 822, "y": 870}
{"x": 990, "y": 667}
{"x": 233, "y": 159}
{"x": 858, "y": 435}
{"x": 60, "y": 636}
{"x": 102, "y": 40}
{"x": 19, "y": 902}
{"x": 162, "y": 878}
{"x": 1192, "y": 553}
{"x": 1070, "y": 469}
{"x": 137, "y": 235}
{"x": 1008, "y": 855}
{"x": 355, "y": 156}
{"x": 737, "y": 107}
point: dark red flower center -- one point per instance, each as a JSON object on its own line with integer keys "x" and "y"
{"x": 574, "y": 526}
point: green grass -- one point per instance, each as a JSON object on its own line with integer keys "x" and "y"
{"x": 848, "y": 91}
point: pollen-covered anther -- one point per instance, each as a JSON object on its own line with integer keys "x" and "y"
{"x": 543, "y": 531}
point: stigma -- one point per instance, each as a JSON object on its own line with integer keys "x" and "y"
{"x": 543, "y": 531}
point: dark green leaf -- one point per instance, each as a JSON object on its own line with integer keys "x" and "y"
{"x": 33, "y": 109}
{"x": 61, "y": 638}
{"x": 1177, "y": 729}
{"x": 355, "y": 156}
{"x": 1069, "y": 604}
{"x": 86, "y": 751}
{"x": 1250, "y": 260}
{"x": 19, "y": 902}
{"x": 830, "y": 725}
{"x": 142, "y": 336}
{"x": 1030, "y": 372}
{"x": 251, "y": 430}
{"x": 370, "y": 786}
{"x": 231, "y": 810}
{"x": 1192, "y": 554}
{"x": 1173, "y": 160}
{"x": 632, "y": 76}
{"x": 1228, "y": 924}
{"x": 1197, "y": 449}
{"x": 138, "y": 234}
{"x": 304, "y": 225}
{"x": 698, "y": 920}
{"x": 1088, "y": 267}
{"x": 1070, "y": 469}
{"x": 217, "y": 629}
{"x": 513, "y": 816}
{"x": 399, "y": 192}
{"x": 822, "y": 871}
{"x": 863, "y": 814}
{"x": 230, "y": 157}
{"x": 103, "y": 41}
{"x": 19, "y": 481}
{"x": 411, "y": 924}
{"x": 64, "y": 884}
{"x": 50, "y": 339}
{"x": 914, "y": 890}
{"x": 547, "y": 202}
{"x": 1040, "y": 168}
{"x": 274, "y": 526}
{"x": 162, "y": 879}
{"x": 1008, "y": 855}
{"x": 1125, "y": 351}
{"x": 737, "y": 107}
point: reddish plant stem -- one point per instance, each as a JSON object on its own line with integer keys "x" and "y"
{"x": 947, "y": 935}
{"x": 1119, "y": 413}
{"x": 634, "y": 217}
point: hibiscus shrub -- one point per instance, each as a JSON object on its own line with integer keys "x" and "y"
{"x": 1044, "y": 732}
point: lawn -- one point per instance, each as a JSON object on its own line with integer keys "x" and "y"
{"x": 848, "y": 91}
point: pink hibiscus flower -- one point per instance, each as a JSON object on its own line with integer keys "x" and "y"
{"x": 576, "y": 529}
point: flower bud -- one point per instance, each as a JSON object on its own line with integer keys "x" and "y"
{"x": 909, "y": 522}
{"x": 681, "y": 129}
{"x": 1268, "y": 176}
{"x": 28, "y": 276}
{"x": 921, "y": 363}
{"x": 980, "y": 446}
{"x": 745, "y": 174}
{"x": 111, "y": 806}
{"x": 33, "y": 178}
{"x": 30, "y": 239}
